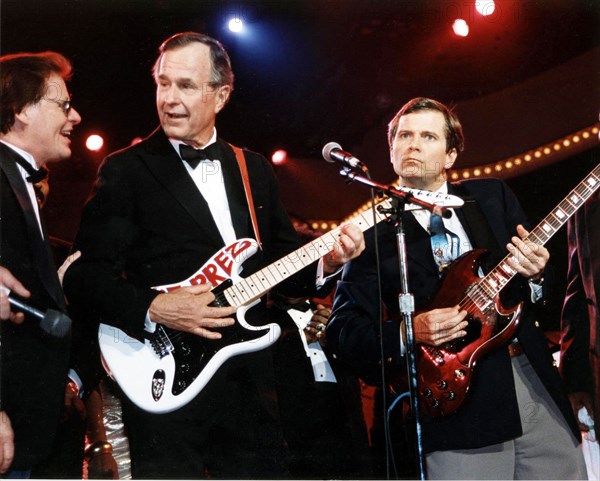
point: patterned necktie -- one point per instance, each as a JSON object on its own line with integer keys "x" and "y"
{"x": 443, "y": 251}
{"x": 195, "y": 156}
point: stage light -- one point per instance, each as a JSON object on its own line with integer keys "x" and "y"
{"x": 279, "y": 157}
{"x": 485, "y": 7}
{"x": 94, "y": 142}
{"x": 236, "y": 25}
{"x": 460, "y": 27}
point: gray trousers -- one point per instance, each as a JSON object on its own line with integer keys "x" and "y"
{"x": 546, "y": 450}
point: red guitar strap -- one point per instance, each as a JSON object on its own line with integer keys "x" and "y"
{"x": 241, "y": 159}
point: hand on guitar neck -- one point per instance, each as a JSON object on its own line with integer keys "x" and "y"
{"x": 188, "y": 309}
{"x": 528, "y": 258}
{"x": 349, "y": 245}
{"x": 438, "y": 326}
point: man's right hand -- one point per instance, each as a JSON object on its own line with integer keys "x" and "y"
{"x": 187, "y": 309}
{"x": 10, "y": 283}
{"x": 440, "y": 325}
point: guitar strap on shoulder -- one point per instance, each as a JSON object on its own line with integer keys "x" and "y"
{"x": 241, "y": 160}
{"x": 479, "y": 229}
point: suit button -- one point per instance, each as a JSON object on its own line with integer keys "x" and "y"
{"x": 537, "y": 324}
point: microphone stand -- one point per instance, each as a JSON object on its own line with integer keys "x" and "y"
{"x": 405, "y": 298}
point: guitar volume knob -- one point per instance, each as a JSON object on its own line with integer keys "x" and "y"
{"x": 450, "y": 395}
{"x": 427, "y": 392}
{"x": 442, "y": 384}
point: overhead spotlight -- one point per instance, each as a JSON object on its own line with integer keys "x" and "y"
{"x": 236, "y": 25}
{"x": 485, "y": 7}
{"x": 94, "y": 142}
{"x": 279, "y": 157}
{"x": 460, "y": 27}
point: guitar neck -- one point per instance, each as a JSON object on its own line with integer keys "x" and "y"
{"x": 501, "y": 275}
{"x": 259, "y": 283}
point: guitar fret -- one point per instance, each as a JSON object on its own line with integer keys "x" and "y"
{"x": 575, "y": 199}
{"x": 487, "y": 285}
{"x": 252, "y": 282}
{"x": 548, "y": 228}
{"x": 261, "y": 281}
{"x": 479, "y": 298}
{"x": 592, "y": 181}
{"x": 535, "y": 238}
{"x": 497, "y": 278}
{"x": 508, "y": 270}
{"x": 239, "y": 293}
{"x": 277, "y": 277}
{"x": 491, "y": 284}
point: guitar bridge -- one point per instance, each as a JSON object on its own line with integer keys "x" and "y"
{"x": 161, "y": 343}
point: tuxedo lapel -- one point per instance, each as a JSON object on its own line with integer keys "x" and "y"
{"x": 39, "y": 248}
{"x": 168, "y": 169}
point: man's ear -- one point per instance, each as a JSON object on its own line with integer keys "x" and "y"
{"x": 223, "y": 94}
{"x": 450, "y": 159}
{"x": 24, "y": 116}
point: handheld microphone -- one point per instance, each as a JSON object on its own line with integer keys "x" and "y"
{"x": 52, "y": 322}
{"x": 332, "y": 152}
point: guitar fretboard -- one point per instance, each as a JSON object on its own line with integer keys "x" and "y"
{"x": 257, "y": 284}
{"x": 498, "y": 277}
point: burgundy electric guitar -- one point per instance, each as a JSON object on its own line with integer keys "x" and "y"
{"x": 445, "y": 372}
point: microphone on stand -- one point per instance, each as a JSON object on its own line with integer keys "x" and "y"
{"x": 52, "y": 322}
{"x": 332, "y": 152}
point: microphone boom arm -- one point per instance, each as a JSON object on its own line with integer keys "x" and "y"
{"x": 402, "y": 196}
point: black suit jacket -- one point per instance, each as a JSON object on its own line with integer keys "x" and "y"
{"x": 490, "y": 415}
{"x": 34, "y": 366}
{"x": 147, "y": 224}
{"x": 580, "y": 342}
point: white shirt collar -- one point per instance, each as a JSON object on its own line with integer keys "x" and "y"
{"x": 26, "y": 155}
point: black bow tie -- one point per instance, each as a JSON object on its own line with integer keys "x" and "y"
{"x": 34, "y": 176}
{"x": 195, "y": 156}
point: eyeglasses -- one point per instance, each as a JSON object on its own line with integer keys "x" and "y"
{"x": 65, "y": 105}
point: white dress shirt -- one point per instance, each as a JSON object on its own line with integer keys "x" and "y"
{"x": 208, "y": 177}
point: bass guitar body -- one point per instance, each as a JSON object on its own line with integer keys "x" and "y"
{"x": 445, "y": 372}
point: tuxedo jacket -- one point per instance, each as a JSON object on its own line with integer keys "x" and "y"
{"x": 147, "y": 224}
{"x": 580, "y": 342}
{"x": 33, "y": 365}
{"x": 490, "y": 413}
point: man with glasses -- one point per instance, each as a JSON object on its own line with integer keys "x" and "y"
{"x": 36, "y": 123}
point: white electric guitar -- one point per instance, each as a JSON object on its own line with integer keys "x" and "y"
{"x": 171, "y": 367}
